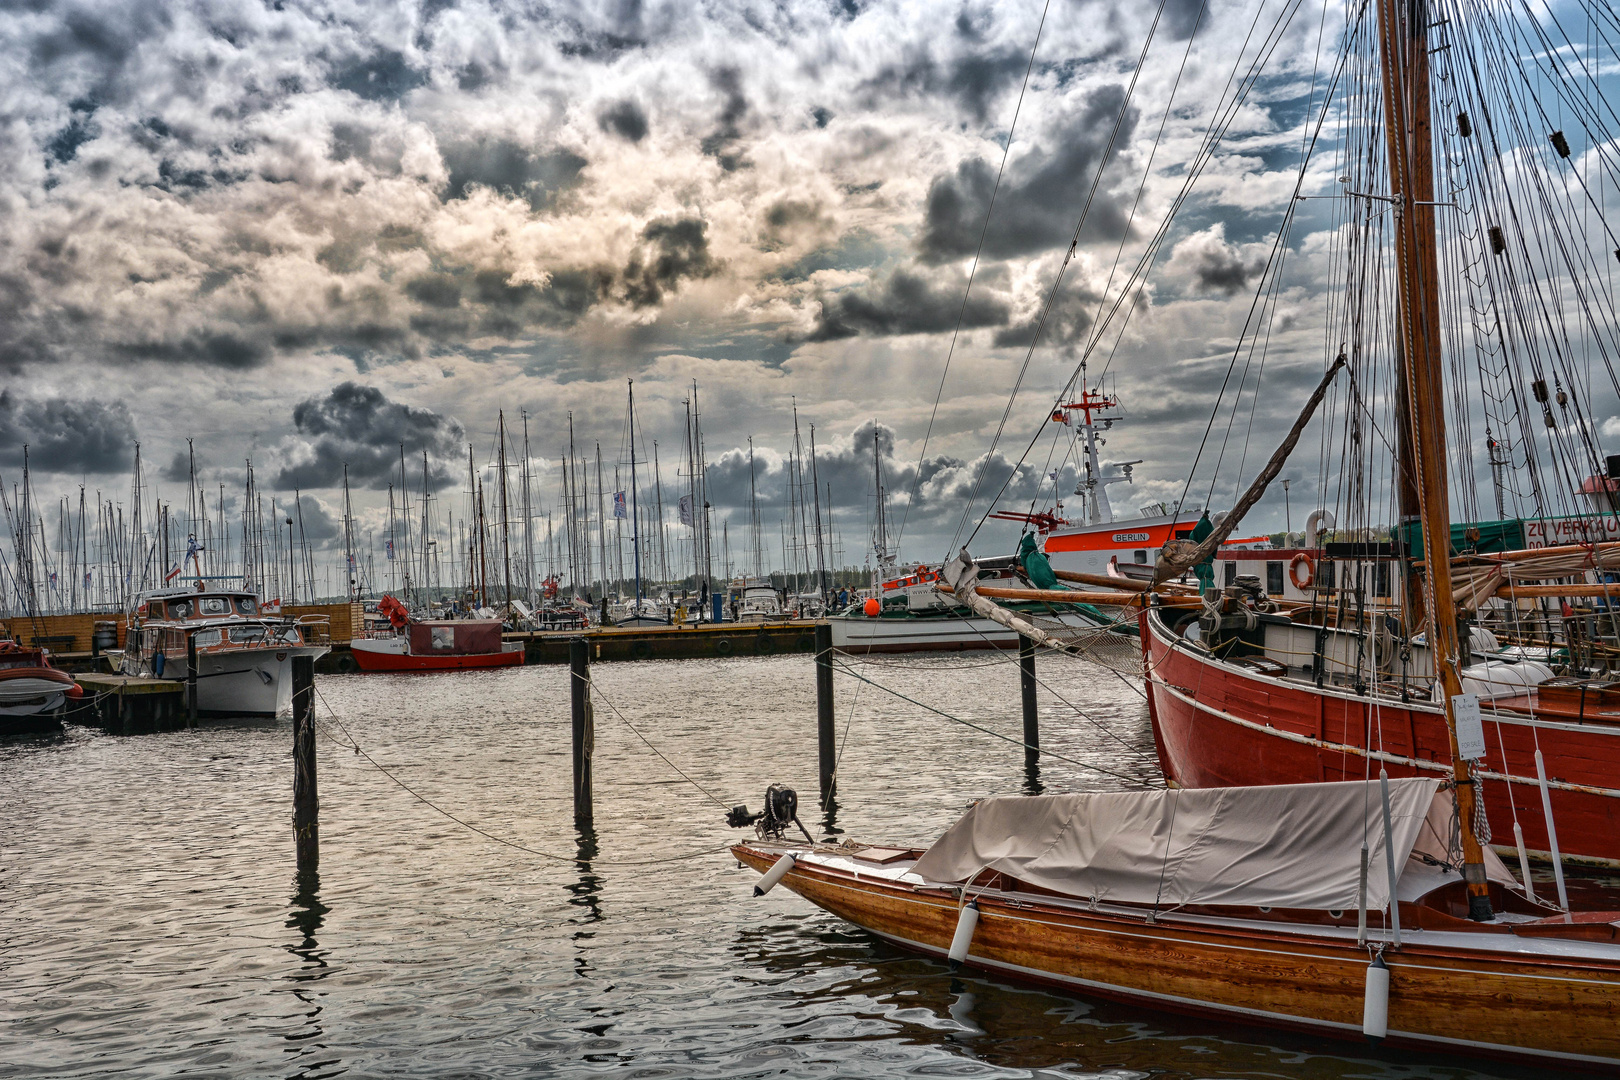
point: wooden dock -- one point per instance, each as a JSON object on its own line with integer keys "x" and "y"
{"x": 700, "y": 641}
{"x": 127, "y": 704}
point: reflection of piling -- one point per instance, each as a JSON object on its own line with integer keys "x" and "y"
{"x": 579, "y": 665}
{"x": 191, "y": 680}
{"x": 824, "y": 712}
{"x": 1026, "y": 677}
{"x": 306, "y": 820}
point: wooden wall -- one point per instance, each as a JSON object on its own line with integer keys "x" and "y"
{"x": 71, "y": 633}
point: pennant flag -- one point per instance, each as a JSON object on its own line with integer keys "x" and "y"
{"x": 53, "y": 579}
{"x": 388, "y": 545}
{"x": 686, "y": 509}
{"x": 618, "y": 505}
{"x": 87, "y": 579}
{"x": 172, "y": 574}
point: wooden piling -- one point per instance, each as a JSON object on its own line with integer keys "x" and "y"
{"x": 824, "y": 714}
{"x": 579, "y": 668}
{"x": 1026, "y": 678}
{"x": 191, "y": 680}
{"x": 306, "y": 818}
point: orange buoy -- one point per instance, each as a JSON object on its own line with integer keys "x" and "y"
{"x": 872, "y": 607}
{"x": 1302, "y": 571}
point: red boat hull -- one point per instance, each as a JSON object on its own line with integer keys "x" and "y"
{"x": 381, "y": 661}
{"x": 1218, "y": 726}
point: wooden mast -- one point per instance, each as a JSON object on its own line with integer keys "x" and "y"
{"x": 1404, "y": 43}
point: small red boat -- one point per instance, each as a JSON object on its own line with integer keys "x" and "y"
{"x": 435, "y": 645}
{"x": 29, "y": 685}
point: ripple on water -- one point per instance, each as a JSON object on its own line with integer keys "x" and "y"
{"x": 153, "y": 925}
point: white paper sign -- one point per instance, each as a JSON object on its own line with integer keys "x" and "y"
{"x": 1470, "y": 726}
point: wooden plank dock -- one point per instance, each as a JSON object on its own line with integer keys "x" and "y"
{"x": 126, "y": 704}
{"x": 694, "y": 641}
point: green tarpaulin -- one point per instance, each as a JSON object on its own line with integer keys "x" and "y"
{"x": 1474, "y": 537}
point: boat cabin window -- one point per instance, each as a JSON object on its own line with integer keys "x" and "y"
{"x": 1231, "y": 573}
{"x": 246, "y": 605}
{"x": 1140, "y": 555}
{"x": 176, "y": 609}
{"x": 1274, "y": 578}
{"x": 1183, "y": 534}
{"x": 213, "y": 605}
{"x": 1327, "y": 574}
{"x": 207, "y": 638}
{"x": 1381, "y": 579}
{"x": 248, "y": 635}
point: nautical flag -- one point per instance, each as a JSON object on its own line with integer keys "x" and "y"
{"x": 389, "y": 545}
{"x": 87, "y": 579}
{"x": 53, "y": 579}
{"x": 172, "y": 574}
{"x": 686, "y": 509}
{"x": 618, "y": 505}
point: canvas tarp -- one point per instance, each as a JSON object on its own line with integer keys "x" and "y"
{"x": 1289, "y": 845}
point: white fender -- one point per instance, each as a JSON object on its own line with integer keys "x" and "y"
{"x": 773, "y": 875}
{"x": 1375, "y": 1006}
{"x": 963, "y": 938}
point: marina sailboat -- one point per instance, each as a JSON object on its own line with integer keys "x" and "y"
{"x": 1322, "y": 857}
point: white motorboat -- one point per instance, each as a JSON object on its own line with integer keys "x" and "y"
{"x": 244, "y": 657}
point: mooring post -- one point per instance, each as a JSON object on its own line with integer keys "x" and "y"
{"x": 579, "y": 669}
{"x": 824, "y": 713}
{"x": 191, "y": 680}
{"x": 306, "y": 817}
{"x": 1032, "y": 723}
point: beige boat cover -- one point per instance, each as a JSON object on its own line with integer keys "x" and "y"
{"x": 1290, "y": 845}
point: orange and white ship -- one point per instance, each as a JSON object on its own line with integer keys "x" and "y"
{"x": 1099, "y": 543}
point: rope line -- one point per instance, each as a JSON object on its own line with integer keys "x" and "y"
{"x": 486, "y": 834}
{"x": 852, "y": 673}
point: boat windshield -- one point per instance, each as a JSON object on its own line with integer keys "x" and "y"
{"x": 247, "y": 605}
{"x": 248, "y": 635}
{"x": 213, "y": 605}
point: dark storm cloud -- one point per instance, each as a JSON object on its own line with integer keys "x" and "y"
{"x": 511, "y": 168}
{"x": 974, "y": 79}
{"x": 218, "y": 349}
{"x": 1040, "y": 198}
{"x": 906, "y": 302}
{"x": 318, "y": 524}
{"x": 1071, "y": 315}
{"x": 1216, "y": 265}
{"x": 671, "y": 249}
{"x": 624, "y": 119}
{"x": 1225, "y": 271}
{"x": 69, "y": 435}
{"x": 360, "y": 427}
{"x": 724, "y": 143}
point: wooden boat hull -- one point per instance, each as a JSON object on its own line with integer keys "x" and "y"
{"x": 1218, "y": 726}
{"x": 1501, "y": 1005}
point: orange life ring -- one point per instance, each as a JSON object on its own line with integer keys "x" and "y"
{"x": 1308, "y": 564}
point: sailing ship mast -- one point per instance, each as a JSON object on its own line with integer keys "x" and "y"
{"x": 1404, "y": 46}
{"x": 635, "y": 515}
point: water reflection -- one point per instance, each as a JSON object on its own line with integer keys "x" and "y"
{"x": 312, "y": 1056}
{"x": 1032, "y": 777}
{"x": 585, "y": 895}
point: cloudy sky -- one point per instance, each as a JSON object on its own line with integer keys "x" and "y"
{"x": 304, "y": 232}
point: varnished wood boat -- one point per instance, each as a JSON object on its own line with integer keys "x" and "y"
{"x": 1529, "y": 986}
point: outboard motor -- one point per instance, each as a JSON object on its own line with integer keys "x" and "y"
{"x": 781, "y": 810}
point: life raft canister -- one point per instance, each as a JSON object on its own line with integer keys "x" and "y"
{"x": 1302, "y": 571}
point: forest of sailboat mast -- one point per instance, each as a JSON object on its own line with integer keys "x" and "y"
{"x": 92, "y": 550}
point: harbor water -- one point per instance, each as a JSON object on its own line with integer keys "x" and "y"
{"x": 153, "y": 924}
